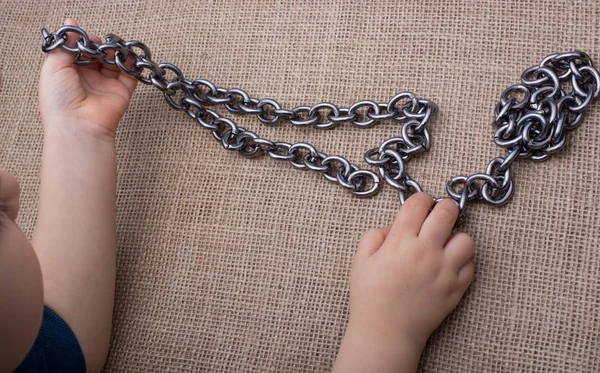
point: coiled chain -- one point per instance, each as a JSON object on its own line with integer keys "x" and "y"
{"x": 532, "y": 118}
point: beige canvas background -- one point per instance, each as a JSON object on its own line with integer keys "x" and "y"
{"x": 230, "y": 264}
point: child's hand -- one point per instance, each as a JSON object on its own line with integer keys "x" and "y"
{"x": 75, "y": 233}
{"x": 93, "y": 98}
{"x": 406, "y": 278}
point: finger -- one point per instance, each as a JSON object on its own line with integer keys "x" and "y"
{"x": 110, "y": 55}
{"x": 440, "y": 222}
{"x": 59, "y": 59}
{"x": 9, "y": 194}
{"x": 109, "y": 71}
{"x": 466, "y": 276}
{"x": 128, "y": 81}
{"x": 371, "y": 242}
{"x": 411, "y": 216}
{"x": 459, "y": 250}
{"x": 112, "y": 71}
{"x": 95, "y": 38}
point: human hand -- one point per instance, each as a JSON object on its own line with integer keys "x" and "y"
{"x": 409, "y": 276}
{"x": 91, "y": 98}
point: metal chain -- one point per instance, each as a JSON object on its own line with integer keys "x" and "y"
{"x": 532, "y": 119}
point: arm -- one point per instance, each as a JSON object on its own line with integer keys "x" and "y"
{"x": 75, "y": 234}
{"x": 370, "y": 351}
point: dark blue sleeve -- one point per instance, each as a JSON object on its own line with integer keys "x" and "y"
{"x": 55, "y": 349}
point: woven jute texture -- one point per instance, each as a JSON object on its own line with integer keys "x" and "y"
{"x": 231, "y": 264}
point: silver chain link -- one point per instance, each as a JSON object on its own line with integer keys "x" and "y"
{"x": 532, "y": 119}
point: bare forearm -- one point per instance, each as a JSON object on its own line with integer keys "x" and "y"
{"x": 77, "y": 190}
{"x": 75, "y": 233}
{"x": 363, "y": 351}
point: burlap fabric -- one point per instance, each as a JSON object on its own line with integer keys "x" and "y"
{"x": 230, "y": 264}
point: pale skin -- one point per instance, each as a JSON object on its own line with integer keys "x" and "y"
{"x": 405, "y": 279}
{"x": 75, "y": 234}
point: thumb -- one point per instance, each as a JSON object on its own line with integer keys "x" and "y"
{"x": 59, "y": 59}
{"x": 371, "y": 242}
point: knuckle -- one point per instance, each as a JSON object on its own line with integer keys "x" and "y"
{"x": 420, "y": 259}
{"x": 420, "y": 249}
{"x": 411, "y": 202}
{"x": 448, "y": 281}
{"x": 445, "y": 215}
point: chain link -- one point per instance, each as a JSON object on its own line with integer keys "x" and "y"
{"x": 532, "y": 119}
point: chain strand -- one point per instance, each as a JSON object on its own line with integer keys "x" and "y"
{"x": 532, "y": 119}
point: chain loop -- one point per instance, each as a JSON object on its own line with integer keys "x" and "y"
{"x": 532, "y": 119}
